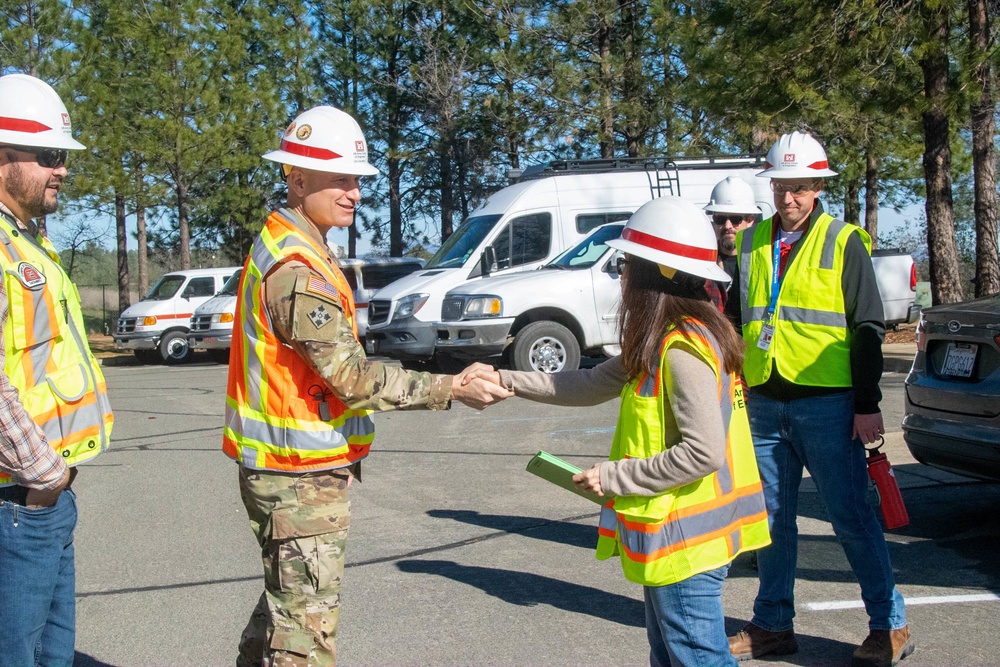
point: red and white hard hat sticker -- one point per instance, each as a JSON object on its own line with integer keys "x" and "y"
{"x": 30, "y": 276}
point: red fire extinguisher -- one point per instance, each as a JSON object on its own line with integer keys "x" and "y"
{"x": 884, "y": 484}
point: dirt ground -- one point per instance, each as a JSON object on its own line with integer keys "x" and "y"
{"x": 104, "y": 346}
{"x": 907, "y": 334}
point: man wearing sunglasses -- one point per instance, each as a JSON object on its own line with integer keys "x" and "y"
{"x": 54, "y": 410}
{"x": 732, "y": 208}
{"x": 813, "y": 325}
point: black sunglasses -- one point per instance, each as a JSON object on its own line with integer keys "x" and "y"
{"x": 720, "y": 220}
{"x": 620, "y": 264}
{"x": 50, "y": 158}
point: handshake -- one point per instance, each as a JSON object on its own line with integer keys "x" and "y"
{"x": 479, "y": 386}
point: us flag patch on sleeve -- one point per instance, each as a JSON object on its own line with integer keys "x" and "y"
{"x": 322, "y": 288}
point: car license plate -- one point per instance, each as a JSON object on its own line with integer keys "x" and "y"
{"x": 959, "y": 359}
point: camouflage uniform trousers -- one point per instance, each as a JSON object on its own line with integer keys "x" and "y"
{"x": 301, "y": 522}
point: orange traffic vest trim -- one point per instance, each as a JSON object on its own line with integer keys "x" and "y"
{"x": 280, "y": 414}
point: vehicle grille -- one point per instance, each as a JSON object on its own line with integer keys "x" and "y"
{"x": 451, "y": 309}
{"x": 201, "y": 323}
{"x": 378, "y": 311}
{"x": 126, "y": 325}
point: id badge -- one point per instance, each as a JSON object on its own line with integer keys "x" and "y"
{"x": 766, "y": 334}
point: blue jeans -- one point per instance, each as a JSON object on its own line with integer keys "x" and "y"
{"x": 685, "y": 623}
{"x": 37, "y": 584}
{"x": 816, "y": 433}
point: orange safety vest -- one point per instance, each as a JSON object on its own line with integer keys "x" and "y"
{"x": 702, "y": 525}
{"x": 275, "y": 413}
{"x": 48, "y": 360}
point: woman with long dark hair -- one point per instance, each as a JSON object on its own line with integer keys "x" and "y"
{"x": 684, "y": 495}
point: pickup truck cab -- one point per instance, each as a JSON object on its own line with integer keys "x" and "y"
{"x": 896, "y": 275}
{"x": 156, "y": 328}
{"x": 544, "y": 319}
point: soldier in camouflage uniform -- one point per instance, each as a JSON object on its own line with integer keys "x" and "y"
{"x": 300, "y": 392}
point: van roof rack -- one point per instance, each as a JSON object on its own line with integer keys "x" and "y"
{"x": 604, "y": 165}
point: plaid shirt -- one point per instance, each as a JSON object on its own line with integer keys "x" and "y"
{"x": 24, "y": 451}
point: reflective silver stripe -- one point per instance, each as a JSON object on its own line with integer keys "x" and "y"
{"x": 823, "y": 318}
{"x": 608, "y": 520}
{"x": 39, "y": 356}
{"x": 648, "y": 387}
{"x": 688, "y": 529}
{"x": 66, "y": 427}
{"x": 246, "y": 426}
{"x": 736, "y": 537}
{"x": 755, "y": 314}
{"x": 746, "y": 248}
{"x": 830, "y": 243}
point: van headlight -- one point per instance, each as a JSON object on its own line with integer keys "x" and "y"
{"x": 409, "y": 305}
{"x": 475, "y": 307}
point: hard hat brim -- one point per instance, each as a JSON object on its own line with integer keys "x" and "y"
{"x": 695, "y": 267}
{"x": 335, "y": 166}
{"x": 41, "y": 140}
{"x": 735, "y": 210}
{"x": 778, "y": 174}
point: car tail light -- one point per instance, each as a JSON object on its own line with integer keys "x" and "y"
{"x": 922, "y": 335}
{"x": 913, "y": 277}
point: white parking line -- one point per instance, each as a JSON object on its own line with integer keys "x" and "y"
{"x": 935, "y": 599}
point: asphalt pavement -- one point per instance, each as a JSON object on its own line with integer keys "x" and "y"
{"x": 457, "y": 556}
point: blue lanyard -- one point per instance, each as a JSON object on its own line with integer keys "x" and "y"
{"x": 775, "y": 277}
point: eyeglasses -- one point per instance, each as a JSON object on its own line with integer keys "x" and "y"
{"x": 779, "y": 188}
{"x": 50, "y": 158}
{"x": 620, "y": 264}
{"x": 722, "y": 219}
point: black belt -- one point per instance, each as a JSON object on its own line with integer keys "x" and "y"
{"x": 18, "y": 494}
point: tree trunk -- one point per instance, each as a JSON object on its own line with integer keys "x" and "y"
{"x": 124, "y": 297}
{"x": 142, "y": 249}
{"x": 946, "y": 284}
{"x": 607, "y": 119}
{"x": 632, "y": 83}
{"x": 983, "y": 153}
{"x": 352, "y": 238}
{"x": 852, "y": 205}
{"x": 445, "y": 166}
{"x": 871, "y": 196}
{"x": 183, "y": 230}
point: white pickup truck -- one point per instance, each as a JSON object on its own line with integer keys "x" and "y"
{"x": 545, "y": 319}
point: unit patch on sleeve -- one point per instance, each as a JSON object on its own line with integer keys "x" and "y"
{"x": 30, "y": 276}
{"x": 319, "y": 316}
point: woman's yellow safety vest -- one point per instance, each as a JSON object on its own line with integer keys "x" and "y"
{"x": 700, "y": 526}
{"x": 810, "y": 344}
{"x": 47, "y": 358}
{"x": 280, "y": 415}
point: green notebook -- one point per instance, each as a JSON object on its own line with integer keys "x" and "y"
{"x": 560, "y": 473}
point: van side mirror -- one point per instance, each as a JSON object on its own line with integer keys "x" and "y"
{"x": 488, "y": 260}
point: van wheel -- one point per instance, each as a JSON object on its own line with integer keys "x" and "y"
{"x": 174, "y": 348}
{"x": 147, "y": 356}
{"x": 545, "y": 346}
{"x": 219, "y": 356}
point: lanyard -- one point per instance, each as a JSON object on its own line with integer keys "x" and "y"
{"x": 776, "y": 279}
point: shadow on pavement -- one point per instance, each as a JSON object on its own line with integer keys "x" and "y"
{"x": 582, "y": 535}
{"x": 84, "y": 660}
{"x": 528, "y": 590}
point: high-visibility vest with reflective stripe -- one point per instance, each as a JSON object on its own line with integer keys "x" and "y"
{"x": 699, "y": 526}
{"x": 810, "y": 344}
{"x": 48, "y": 359}
{"x": 275, "y": 419}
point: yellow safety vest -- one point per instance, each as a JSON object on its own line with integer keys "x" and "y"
{"x": 48, "y": 359}
{"x": 699, "y": 526}
{"x": 810, "y": 344}
{"x": 280, "y": 415}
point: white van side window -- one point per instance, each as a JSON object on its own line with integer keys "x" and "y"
{"x": 200, "y": 287}
{"x": 530, "y": 241}
{"x": 588, "y": 221}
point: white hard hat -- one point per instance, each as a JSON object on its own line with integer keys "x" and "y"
{"x": 31, "y": 114}
{"x": 673, "y": 232}
{"x": 324, "y": 139}
{"x": 733, "y": 195}
{"x": 796, "y": 155}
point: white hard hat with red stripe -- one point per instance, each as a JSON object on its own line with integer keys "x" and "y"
{"x": 796, "y": 155}
{"x": 32, "y": 114}
{"x": 324, "y": 139}
{"x": 674, "y": 233}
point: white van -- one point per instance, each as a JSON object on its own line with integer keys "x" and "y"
{"x": 523, "y": 226}
{"x": 156, "y": 328}
{"x": 212, "y": 322}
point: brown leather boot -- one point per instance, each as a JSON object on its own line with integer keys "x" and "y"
{"x": 883, "y": 648}
{"x": 754, "y": 642}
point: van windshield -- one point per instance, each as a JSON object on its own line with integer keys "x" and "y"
{"x": 587, "y": 253}
{"x": 165, "y": 288}
{"x": 460, "y": 245}
{"x": 233, "y": 284}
